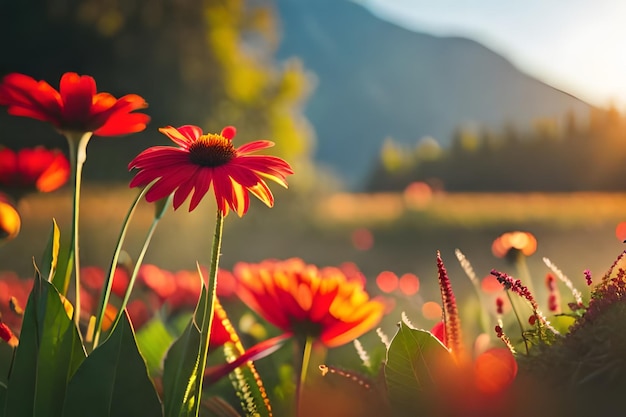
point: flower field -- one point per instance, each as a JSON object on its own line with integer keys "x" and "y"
{"x": 418, "y": 303}
{"x": 404, "y": 237}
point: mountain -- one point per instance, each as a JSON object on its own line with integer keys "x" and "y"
{"x": 376, "y": 80}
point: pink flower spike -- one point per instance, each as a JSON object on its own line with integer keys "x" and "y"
{"x": 453, "y": 339}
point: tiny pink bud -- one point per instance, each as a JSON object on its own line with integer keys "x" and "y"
{"x": 499, "y": 305}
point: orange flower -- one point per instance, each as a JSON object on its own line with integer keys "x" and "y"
{"x": 37, "y": 168}
{"x": 307, "y": 301}
{"x": 204, "y": 160}
{"x": 10, "y": 221}
{"x": 76, "y": 107}
{"x": 514, "y": 242}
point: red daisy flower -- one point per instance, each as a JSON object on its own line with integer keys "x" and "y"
{"x": 38, "y": 168}
{"x": 76, "y": 107}
{"x": 203, "y": 160}
{"x": 305, "y": 301}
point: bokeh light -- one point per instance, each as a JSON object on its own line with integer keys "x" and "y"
{"x": 387, "y": 281}
{"x": 620, "y": 231}
{"x": 431, "y": 310}
{"x": 362, "y": 239}
{"x": 409, "y": 284}
{"x": 417, "y": 195}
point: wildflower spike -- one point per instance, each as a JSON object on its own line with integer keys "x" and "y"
{"x": 453, "y": 339}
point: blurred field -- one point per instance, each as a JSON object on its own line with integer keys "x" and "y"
{"x": 397, "y": 232}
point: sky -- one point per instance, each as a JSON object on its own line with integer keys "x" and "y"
{"x": 578, "y": 46}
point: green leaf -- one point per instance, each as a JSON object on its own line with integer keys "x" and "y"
{"x": 49, "y": 259}
{"x": 562, "y": 322}
{"x": 6, "y": 359}
{"x": 3, "y": 400}
{"x": 49, "y": 352}
{"x": 153, "y": 340}
{"x": 113, "y": 381}
{"x": 181, "y": 367}
{"x": 412, "y": 358}
{"x": 217, "y": 407}
{"x": 248, "y": 386}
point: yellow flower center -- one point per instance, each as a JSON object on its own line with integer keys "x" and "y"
{"x": 211, "y": 151}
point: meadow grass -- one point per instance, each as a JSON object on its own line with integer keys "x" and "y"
{"x": 575, "y": 230}
{"x": 476, "y": 210}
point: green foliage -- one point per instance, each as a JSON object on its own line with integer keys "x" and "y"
{"x": 50, "y": 257}
{"x": 182, "y": 364}
{"x": 217, "y": 407}
{"x": 49, "y": 353}
{"x": 549, "y": 155}
{"x": 113, "y": 380}
{"x": 411, "y": 359}
{"x": 50, "y": 350}
{"x": 153, "y": 340}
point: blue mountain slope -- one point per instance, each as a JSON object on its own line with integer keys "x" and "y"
{"x": 376, "y": 79}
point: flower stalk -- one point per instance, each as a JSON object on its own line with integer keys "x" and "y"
{"x": 209, "y": 306}
{"x": 78, "y": 154}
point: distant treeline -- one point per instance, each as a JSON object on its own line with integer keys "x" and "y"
{"x": 552, "y": 155}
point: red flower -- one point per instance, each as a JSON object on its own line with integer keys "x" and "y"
{"x": 202, "y": 160}
{"x": 38, "y": 168}
{"x": 76, "y": 107}
{"x": 181, "y": 290}
{"x": 303, "y": 300}
{"x": 7, "y": 335}
{"x": 94, "y": 277}
{"x": 14, "y": 293}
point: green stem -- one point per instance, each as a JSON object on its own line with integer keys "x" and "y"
{"x": 106, "y": 291}
{"x": 209, "y": 306}
{"x": 142, "y": 254}
{"x": 78, "y": 154}
{"x": 519, "y": 321}
{"x": 304, "y": 368}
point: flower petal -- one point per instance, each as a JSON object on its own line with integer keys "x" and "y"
{"x": 77, "y": 94}
{"x": 204, "y": 177}
{"x": 183, "y": 136}
{"x": 254, "y": 146}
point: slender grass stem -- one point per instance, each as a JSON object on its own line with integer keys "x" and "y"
{"x": 519, "y": 321}
{"x": 133, "y": 277}
{"x": 106, "y": 291}
{"x": 304, "y": 368}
